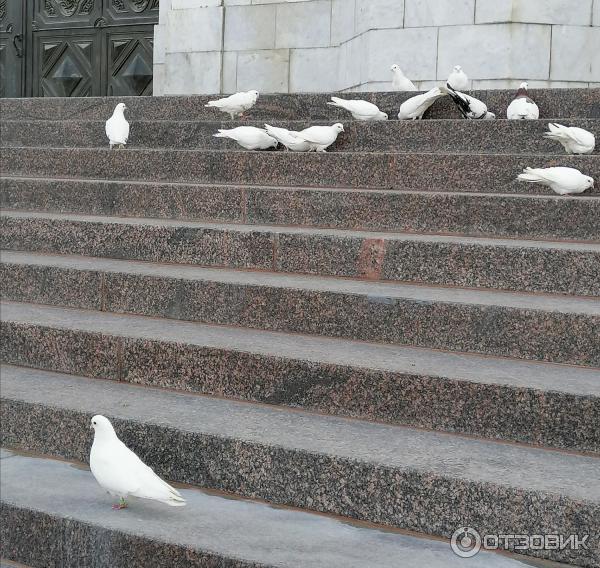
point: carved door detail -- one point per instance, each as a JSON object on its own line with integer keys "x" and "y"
{"x": 11, "y": 48}
{"x": 84, "y": 47}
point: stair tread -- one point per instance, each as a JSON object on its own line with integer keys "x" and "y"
{"x": 230, "y": 527}
{"x": 508, "y": 465}
{"x": 300, "y": 188}
{"x": 240, "y": 227}
{"x": 376, "y": 291}
{"x": 394, "y": 358}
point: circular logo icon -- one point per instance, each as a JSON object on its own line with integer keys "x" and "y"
{"x": 465, "y": 542}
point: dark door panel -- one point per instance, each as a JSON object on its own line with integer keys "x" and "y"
{"x": 129, "y": 60}
{"x": 11, "y": 48}
{"x": 65, "y": 64}
{"x": 76, "y": 48}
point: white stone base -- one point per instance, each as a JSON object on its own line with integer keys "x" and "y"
{"x": 222, "y": 46}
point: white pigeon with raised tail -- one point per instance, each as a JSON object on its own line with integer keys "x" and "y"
{"x": 321, "y": 137}
{"x": 415, "y": 107}
{"x": 121, "y": 473}
{"x": 236, "y": 104}
{"x": 561, "y": 180}
{"x": 288, "y": 138}
{"x": 469, "y": 106}
{"x": 117, "y": 127}
{"x": 400, "y": 82}
{"x": 249, "y": 137}
{"x": 574, "y": 140}
{"x": 522, "y": 107}
{"x": 458, "y": 79}
{"x": 360, "y": 110}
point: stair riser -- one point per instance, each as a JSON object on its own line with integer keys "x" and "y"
{"x": 459, "y": 264}
{"x": 443, "y": 172}
{"x": 76, "y": 544}
{"x": 553, "y": 103}
{"x": 404, "y": 498}
{"x": 530, "y": 217}
{"x": 545, "y": 418}
{"x": 509, "y": 137}
{"x": 492, "y": 330}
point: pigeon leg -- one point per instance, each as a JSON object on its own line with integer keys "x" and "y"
{"x": 122, "y": 504}
{"x": 121, "y": 146}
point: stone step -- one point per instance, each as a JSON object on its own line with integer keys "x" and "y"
{"x": 422, "y": 481}
{"x": 499, "y": 398}
{"x": 547, "y": 328}
{"x": 37, "y": 492}
{"x": 500, "y": 215}
{"x": 553, "y": 103}
{"x": 426, "y": 171}
{"x": 448, "y": 136}
{"x": 521, "y": 265}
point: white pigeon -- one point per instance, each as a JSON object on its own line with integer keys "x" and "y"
{"x": 561, "y": 180}
{"x": 469, "y": 106}
{"x": 360, "y": 110}
{"x": 321, "y": 137}
{"x": 288, "y": 138}
{"x": 400, "y": 81}
{"x": 458, "y": 79}
{"x": 236, "y": 104}
{"x": 117, "y": 127}
{"x": 118, "y": 470}
{"x": 574, "y": 140}
{"x": 249, "y": 137}
{"x": 522, "y": 107}
{"x": 415, "y": 107}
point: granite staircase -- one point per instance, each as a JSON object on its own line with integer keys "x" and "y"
{"x": 352, "y": 354}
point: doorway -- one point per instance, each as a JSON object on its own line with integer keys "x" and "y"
{"x": 76, "y": 48}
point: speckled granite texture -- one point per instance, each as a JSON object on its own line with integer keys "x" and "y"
{"x": 430, "y": 321}
{"x": 320, "y": 463}
{"x": 452, "y": 136}
{"x": 439, "y": 172}
{"x": 553, "y": 103}
{"x": 509, "y": 265}
{"x": 212, "y": 531}
{"x": 536, "y": 415}
{"x": 527, "y": 216}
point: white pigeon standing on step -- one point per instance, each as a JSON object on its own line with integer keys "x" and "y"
{"x": 248, "y": 137}
{"x": 469, "y": 106}
{"x": 458, "y": 79}
{"x": 321, "y": 137}
{"x": 561, "y": 180}
{"x": 117, "y": 127}
{"x": 236, "y": 104}
{"x": 522, "y": 107}
{"x": 574, "y": 140}
{"x": 289, "y": 138}
{"x": 121, "y": 473}
{"x": 360, "y": 110}
{"x": 400, "y": 82}
{"x": 415, "y": 107}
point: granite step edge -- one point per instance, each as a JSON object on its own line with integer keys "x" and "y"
{"x": 271, "y": 536}
{"x": 373, "y": 465}
{"x": 498, "y": 398}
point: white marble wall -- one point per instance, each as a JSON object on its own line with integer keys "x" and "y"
{"x": 211, "y": 46}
